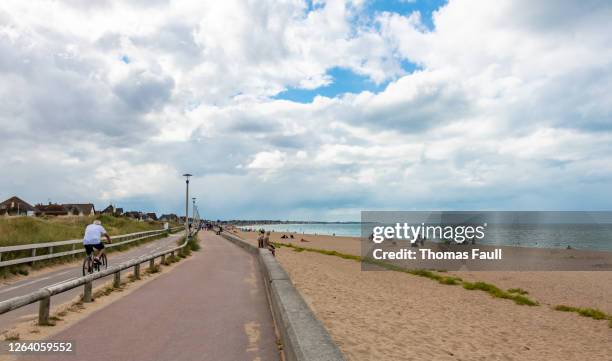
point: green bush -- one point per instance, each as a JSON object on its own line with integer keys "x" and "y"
{"x": 193, "y": 244}
{"x": 520, "y": 291}
{"x": 499, "y": 293}
{"x": 585, "y": 312}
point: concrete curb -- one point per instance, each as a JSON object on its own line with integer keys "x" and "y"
{"x": 303, "y": 336}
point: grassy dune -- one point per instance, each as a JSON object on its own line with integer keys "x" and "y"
{"x": 24, "y": 230}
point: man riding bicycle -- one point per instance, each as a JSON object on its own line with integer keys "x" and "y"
{"x": 93, "y": 239}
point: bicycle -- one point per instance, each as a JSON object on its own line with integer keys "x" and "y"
{"x": 91, "y": 266}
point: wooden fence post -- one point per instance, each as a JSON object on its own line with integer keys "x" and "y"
{"x": 117, "y": 279}
{"x": 137, "y": 271}
{"x": 87, "y": 297}
{"x": 43, "y": 311}
{"x": 33, "y": 255}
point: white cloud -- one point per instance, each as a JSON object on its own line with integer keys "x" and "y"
{"x": 268, "y": 160}
{"x": 509, "y": 107}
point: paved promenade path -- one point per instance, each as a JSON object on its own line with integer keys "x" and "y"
{"x": 212, "y": 307}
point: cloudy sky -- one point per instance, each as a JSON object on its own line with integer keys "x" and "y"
{"x": 308, "y": 109}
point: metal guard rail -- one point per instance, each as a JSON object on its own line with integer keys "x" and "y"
{"x": 44, "y": 294}
{"x": 131, "y": 237}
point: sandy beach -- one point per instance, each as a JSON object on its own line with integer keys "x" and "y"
{"x": 396, "y": 316}
{"x": 576, "y": 288}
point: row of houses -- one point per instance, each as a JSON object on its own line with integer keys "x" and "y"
{"x": 16, "y": 206}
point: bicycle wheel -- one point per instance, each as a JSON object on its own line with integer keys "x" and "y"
{"x": 87, "y": 265}
{"x": 103, "y": 262}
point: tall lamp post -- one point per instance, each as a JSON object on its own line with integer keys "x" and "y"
{"x": 187, "y": 175}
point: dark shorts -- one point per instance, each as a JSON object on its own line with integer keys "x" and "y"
{"x": 90, "y": 247}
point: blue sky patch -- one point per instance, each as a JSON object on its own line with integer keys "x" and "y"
{"x": 408, "y": 66}
{"x": 312, "y": 6}
{"x": 344, "y": 81}
{"x": 405, "y": 7}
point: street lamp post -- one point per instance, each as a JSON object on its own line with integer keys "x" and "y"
{"x": 187, "y": 175}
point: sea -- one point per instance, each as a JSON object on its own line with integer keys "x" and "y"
{"x": 596, "y": 236}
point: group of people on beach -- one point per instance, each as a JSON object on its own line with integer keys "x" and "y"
{"x": 263, "y": 241}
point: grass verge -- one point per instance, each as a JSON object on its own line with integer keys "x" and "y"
{"x": 11, "y": 336}
{"x": 192, "y": 245}
{"x": 499, "y": 293}
{"x": 520, "y": 291}
{"x": 586, "y": 312}
{"x": 25, "y": 230}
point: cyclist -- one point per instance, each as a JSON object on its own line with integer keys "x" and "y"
{"x": 93, "y": 239}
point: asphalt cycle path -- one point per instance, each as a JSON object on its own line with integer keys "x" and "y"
{"x": 67, "y": 272}
{"x": 213, "y": 306}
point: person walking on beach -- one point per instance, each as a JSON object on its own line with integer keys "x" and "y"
{"x": 266, "y": 239}
{"x": 260, "y": 239}
{"x": 267, "y": 244}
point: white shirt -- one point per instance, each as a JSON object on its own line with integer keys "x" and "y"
{"x": 93, "y": 233}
